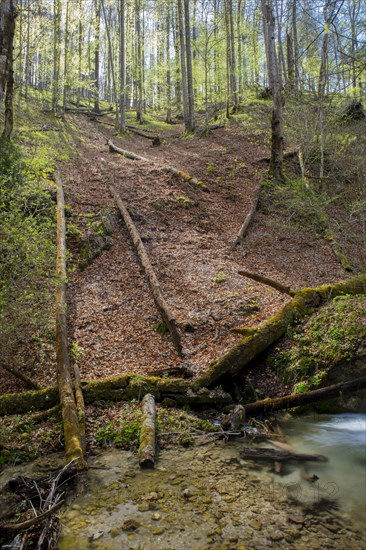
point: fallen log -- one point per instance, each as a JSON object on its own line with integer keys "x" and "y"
{"x": 72, "y": 433}
{"x": 264, "y": 453}
{"x": 117, "y": 388}
{"x": 249, "y": 218}
{"x": 298, "y": 399}
{"x": 154, "y": 284}
{"x": 22, "y": 376}
{"x": 155, "y": 139}
{"x": 269, "y": 282}
{"x": 127, "y": 154}
{"x": 303, "y": 303}
{"x": 147, "y": 434}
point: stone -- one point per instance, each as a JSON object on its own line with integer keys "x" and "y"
{"x": 130, "y": 525}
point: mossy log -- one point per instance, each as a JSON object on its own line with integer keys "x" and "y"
{"x": 268, "y": 282}
{"x": 181, "y": 174}
{"x": 298, "y": 399}
{"x": 72, "y": 434}
{"x": 303, "y": 303}
{"x": 154, "y": 284}
{"x": 249, "y": 218}
{"x": 148, "y": 431}
{"x": 117, "y": 388}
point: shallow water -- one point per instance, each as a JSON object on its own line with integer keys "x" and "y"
{"x": 209, "y": 497}
{"x": 342, "y": 438}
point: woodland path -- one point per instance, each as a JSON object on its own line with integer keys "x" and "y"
{"x": 188, "y": 232}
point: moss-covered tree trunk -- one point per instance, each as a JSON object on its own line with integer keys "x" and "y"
{"x": 147, "y": 434}
{"x": 72, "y": 433}
{"x": 259, "y": 339}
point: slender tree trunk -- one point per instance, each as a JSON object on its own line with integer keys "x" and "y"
{"x": 274, "y": 77}
{"x": 183, "y": 64}
{"x": 139, "y": 62}
{"x": 96, "y": 55}
{"x": 168, "y": 118}
{"x": 56, "y": 53}
{"x": 295, "y": 47}
{"x": 80, "y": 53}
{"x": 8, "y": 14}
{"x": 110, "y": 57}
{"x": 122, "y": 65}
{"x": 66, "y": 57}
{"x": 191, "y": 114}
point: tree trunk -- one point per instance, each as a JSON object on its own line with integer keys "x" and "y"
{"x": 56, "y": 53}
{"x": 8, "y": 14}
{"x": 96, "y": 54}
{"x": 274, "y": 78}
{"x": 73, "y": 437}
{"x": 191, "y": 115}
{"x": 122, "y": 65}
{"x": 139, "y": 63}
{"x": 147, "y": 434}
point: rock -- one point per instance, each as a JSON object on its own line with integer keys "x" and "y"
{"x": 130, "y": 525}
{"x": 96, "y": 536}
{"x": 158, "y": 530}
{"x": 298, "y": 519}
{"x": 156, "y": 516}
{"x": 143, "y": 507}
{"x": 255, "y": 524}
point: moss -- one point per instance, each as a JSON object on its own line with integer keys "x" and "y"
{"x": 19, "y": 403}
{"x": 334, "y": 335}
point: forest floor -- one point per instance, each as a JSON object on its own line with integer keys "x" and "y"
{"x": 188, "y": 231}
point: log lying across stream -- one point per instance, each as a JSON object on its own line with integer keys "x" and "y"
{"x": 154, "y": 284}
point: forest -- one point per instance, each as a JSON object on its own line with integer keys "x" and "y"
{"x": 182, "y": 257}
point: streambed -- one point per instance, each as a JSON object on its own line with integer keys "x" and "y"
{"x": 208, "y": 497}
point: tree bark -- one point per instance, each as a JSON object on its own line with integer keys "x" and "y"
{"x": 159, "y": 299}
{"x": 147, "y": 434}
{"x": 72, "y": 433}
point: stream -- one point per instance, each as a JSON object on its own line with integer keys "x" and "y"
{"x": 209, "y": 497}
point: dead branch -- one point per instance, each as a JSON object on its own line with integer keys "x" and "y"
{"x": 18, "y": 527}
{"x": 22, "y": 376}
{"x": 269, "y": 282}
{"x": 249, "y": 218}
{"x": 154, "y": 284}
{"x": 72, "y": 433}
{"x": 147, "y": 434}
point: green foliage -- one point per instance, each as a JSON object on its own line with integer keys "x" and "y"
{"x": 160, "y": 327}
{"x": 27, "y": 248}
{"x": 220, "y": 278}
{"x": 184, "y": 201}
{"x": 123, "y": 433}
{"x": 331, "y": 336}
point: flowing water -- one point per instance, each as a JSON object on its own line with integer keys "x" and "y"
{"x": 208, "y": 497}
